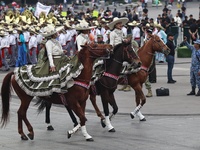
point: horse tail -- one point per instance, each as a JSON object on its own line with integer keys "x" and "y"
{"x": 41, "y": 105}
{"x": 5, "y": 97}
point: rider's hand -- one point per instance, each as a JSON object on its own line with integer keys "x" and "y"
{"x": 65, "y": 51}
{"x": 53, "y": 69}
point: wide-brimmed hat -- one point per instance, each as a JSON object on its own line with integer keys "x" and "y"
{"x": 158, "y": 26}
{"x": 10, "y": 29}
{"x": 134, "y": 23}
{"x": 197, "y": 42}
{"x": 117, "y": 20}
{"x": 32, "y": 30}
{"x": 66, "y": 23}
{"x": 104, "y": 20}
{"x": 9, "y": 19}
{"x": 51, "y": 30}
{"x": 19, "y": 28}
{"x": 83, "y": 25}
{"x": 3, "y": 33}
{"x": 3, "y": 22}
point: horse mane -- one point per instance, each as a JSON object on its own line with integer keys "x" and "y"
{"x": 141, "y": 48}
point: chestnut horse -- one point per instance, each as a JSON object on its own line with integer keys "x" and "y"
{"x": 76, "y": 102}
{"x": 136, "y": 80}
{"x": 122, "y": 52}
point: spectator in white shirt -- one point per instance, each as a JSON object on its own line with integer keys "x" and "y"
{"x": 13, "y": 47}
{"x": 33, "y": 47}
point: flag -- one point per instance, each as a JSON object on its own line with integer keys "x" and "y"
{"x": 41, "y": 8}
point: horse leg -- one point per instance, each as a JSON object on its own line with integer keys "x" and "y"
{"x": 98, "y": 112}
{"x": 71, "y": 114}
{"x": 106, "y": 111}
{"x": 22, "y": 116}
{"x": 114, "y": 106}
{"x": 143, "y": 101}
{"x": 81, "y": 114}
{"x": 47, "y": 116}
{"x": 138, "y": 96}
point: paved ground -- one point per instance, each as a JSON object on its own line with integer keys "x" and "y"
{"x": 172, "y": 121}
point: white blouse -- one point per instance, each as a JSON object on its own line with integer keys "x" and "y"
{"x": 81, "y": 40}
{"x": 53, "y": 49}
{"x": 116, "y": 37}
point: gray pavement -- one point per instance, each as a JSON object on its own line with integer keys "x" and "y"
{"x": 172, "y": 121}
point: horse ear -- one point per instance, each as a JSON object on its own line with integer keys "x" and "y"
{"x": 83, "y": 46}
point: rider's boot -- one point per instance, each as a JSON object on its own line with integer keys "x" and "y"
{"x": 149, "y": 94}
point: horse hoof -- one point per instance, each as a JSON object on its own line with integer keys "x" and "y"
{"x": 24, "y": 138}
{"x": 132, "y": 116}
{"x": 103, "y": 123}
{"x": 144, "y": 119}
{"x": 111, "y": 130}
{"x": 90, "y": 140}
{"x": 69, "y": 135}
{"x": 31, "y": 137}
{"x": 50, "y": 128}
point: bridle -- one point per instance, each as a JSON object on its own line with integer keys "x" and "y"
{"x": 160, "y": 45}
{"x": 125, "y": 50}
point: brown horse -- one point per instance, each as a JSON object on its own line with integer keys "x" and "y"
{"x": 75, "y": 101}
{"x": 107, "y": 84}
{"x": 112, "y": 66}
{"x": 136, "y": 80}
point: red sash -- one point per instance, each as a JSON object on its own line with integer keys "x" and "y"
{"x": 31, "y": 51}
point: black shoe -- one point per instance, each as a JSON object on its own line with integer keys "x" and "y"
{"x": 191, "y": 93}
{"x": 171, "y": 81}
{"x": 198, "y": 93}
{"x": 152, "y": 81}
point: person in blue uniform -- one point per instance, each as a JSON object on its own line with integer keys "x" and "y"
{"x": 195, "y": 66}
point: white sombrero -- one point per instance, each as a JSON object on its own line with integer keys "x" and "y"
{"x": 66, "y": 23}
{"x": 158, "y": 26}
{"x": 51, "y": 30}
{"x": 3, "y": 33}
{"x": 134, "y": 23}
{"x": 83, "y": 25}
{"x": 117, "y": 20}
{"x": 32, "y": 30}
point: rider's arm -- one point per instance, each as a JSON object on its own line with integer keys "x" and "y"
{"x": 49, "y": 48}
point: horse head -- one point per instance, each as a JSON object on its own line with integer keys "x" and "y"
{"x": 159, "y": 45}
{"x": 129, "y": 55}
{"x": 97, "y": 50}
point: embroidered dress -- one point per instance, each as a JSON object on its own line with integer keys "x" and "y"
{"x": 37, "y": 80}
